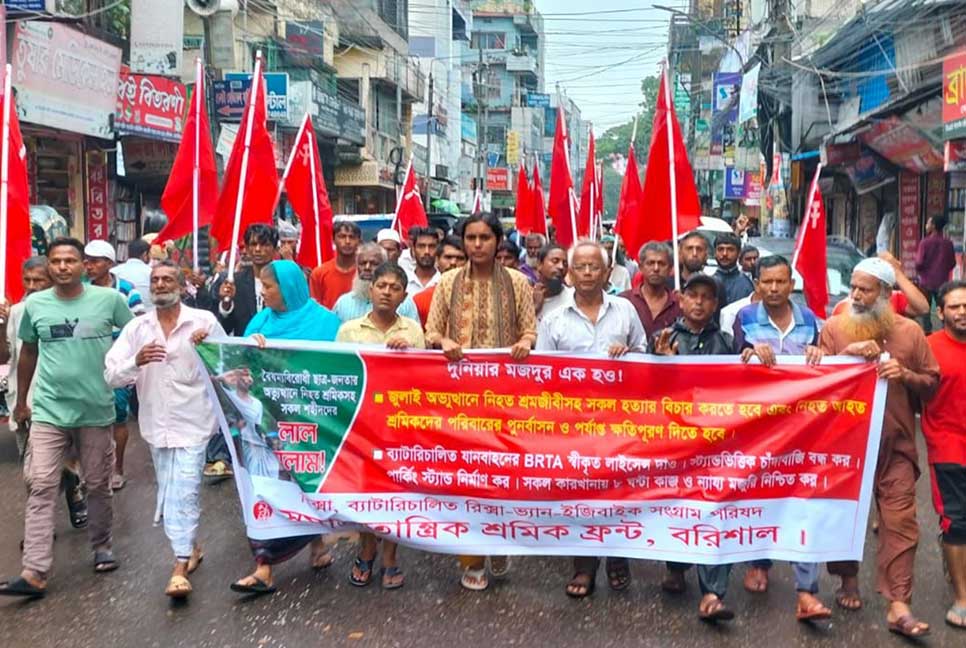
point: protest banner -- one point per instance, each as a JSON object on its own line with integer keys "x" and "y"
{"x": 689, "y": 459}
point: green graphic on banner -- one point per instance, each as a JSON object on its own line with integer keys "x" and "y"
{"x": 288, "y": 413}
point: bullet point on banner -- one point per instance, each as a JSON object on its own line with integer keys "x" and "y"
{"x": 377, "y": 455}
{"x": 377, "y": 398}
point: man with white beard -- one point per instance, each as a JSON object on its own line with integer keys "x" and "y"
{"x": 356, "y": 303}
{"x": 867, "y": 330}
{"x": 176, "y": 417}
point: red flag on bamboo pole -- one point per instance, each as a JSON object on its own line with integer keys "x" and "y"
{"x": 477, "y": 202}
{"x": 15, "y": 230}
{"x": 191, "y": 193}
{"x": 250, "y": 189}
{"x": 306, "y": 191}
{"x": 629, "y": 207}
{"x": 523, "y": 211}
{"x": 409, "y": 208}
{"x": 538, "y": 209}
{"x": 810, "y": 258}
{"x": 589, "y": 198}
{"x": 561, "y": 203}
{"x": 599, "y": 216}
{"x": 670, "y": 204}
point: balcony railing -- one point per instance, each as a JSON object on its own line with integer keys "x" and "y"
{"x": 400, "y": 71}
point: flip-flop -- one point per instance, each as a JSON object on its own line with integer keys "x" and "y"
{"x": 20, "y": 587}
{"x": 906, "y": 625}
{"x": 474, "y": 580}
{"x": 618, "y": 574}
{"x": 391, "y": 572}
{"x": 104, "y": 561}
{"x": 365, "y": 568}
{"x": 260, "y": 587}
{"x": 589, "y": 586}
{"x": 719, "y": 613}
{"x": 957, "y": 611}
{"x": 499, "y": 566}
{"x": 841, "y": 594}
{"x": 194, "y": 561}
{"x": 814, "y": 612}
{"x": 316, "y": 566}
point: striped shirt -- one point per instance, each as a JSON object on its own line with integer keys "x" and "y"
{"x": 350, "y": 306}
{"x": 130, "y": 293}
{"x": 754, "y": 326}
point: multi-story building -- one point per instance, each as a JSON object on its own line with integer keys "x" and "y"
{"x": 436, "y": 30}
{"x": 503, "y": 89}
{"x": 373, "y": 67}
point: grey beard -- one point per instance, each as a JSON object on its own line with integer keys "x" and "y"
{"x": 533, "y": 261}
{"x": 360, "y": 287}
{"x": 873, "y": 312}
{"x": 165, "y": 300}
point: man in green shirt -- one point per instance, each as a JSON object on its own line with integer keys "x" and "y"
{"x": 66, "y": 332}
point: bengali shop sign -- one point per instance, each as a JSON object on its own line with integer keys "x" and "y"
{"x": 98, "y": 214}
{"x": 572, "y": 455}
{"x": 954, "y": 95}
{"x": 150, "y": 106}
{"x": 909, "y": 209}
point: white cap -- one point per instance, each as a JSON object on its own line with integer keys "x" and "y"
{"x": 388, "y": 235}
{"x": 99, "y": 249}
{"x": 878, "y": 268}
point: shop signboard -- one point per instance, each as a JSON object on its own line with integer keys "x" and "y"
{"x": 149, "y": 106}
{"x": 157, "y": 36}
{"x": 97, "y": 203}
{"x": 26, "y": 5}
{"x": 498, "y": 179}
{"x": 909, "y": 209}
{"x": 352, "y": 123}
{"x": 903, "y": 145}
{"x": 146, "y": 158}
{"x": 726, "y": 86}
{"x": 955, "y": 156}
{"x": 734, "y": 184}
{"x": 753, "y": 188}
{"x": 538, "y": 100}
{"x": 303, "y": 41}
{"x": 276, "y": 88}
{"x": 64, "y": 78}
{"x": 229, "y": 98}
{"x": 954, "y": 95}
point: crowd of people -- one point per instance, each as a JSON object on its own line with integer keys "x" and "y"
{"x": 94, "y": 339}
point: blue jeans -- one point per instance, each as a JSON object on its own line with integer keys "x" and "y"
{"x": 806, "y": 574}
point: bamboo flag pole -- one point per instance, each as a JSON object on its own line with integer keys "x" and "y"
{"x": 196, "y": 173}
{"x": 240, "y": 198}
{"x": 673, "y": 175}
{"x": 4, "y": 181}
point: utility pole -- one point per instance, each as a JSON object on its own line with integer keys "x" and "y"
{"x": 479, "y": 90}
{"x": 429, "y": 136}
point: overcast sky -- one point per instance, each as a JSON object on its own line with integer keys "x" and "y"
{"x": 599, "y": 50}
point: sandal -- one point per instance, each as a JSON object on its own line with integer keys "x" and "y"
{"x": 618, "y": 573}
{"x": 756, "y": 580}
{"x": 909, "y": 626}
{"x": 258, "y": 588}
{"x": 322, "y": 560}
{"x": 474, "y": 580}
{"x": 674, "y": 582}
{"x": 218, "y": 470}
{"x": 194, "y": 561}
{"x": 118, "y": 481}
{"x": 388, "y": 574}
{"x": 714, "y": 611}
{"x": 813, "y": 611}
{"x": 956, "y": 611}
{"x": 104, "y": 561}
{"x": 848, "y": 599}
{"x": 587, "y": 582}
{"x": 20, "y": 587}
{"x": 499, "y": 566}
{"x": 178, "y": 587}
{"x": 365, "y": 570}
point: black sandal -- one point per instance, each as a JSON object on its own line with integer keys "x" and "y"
{"x": 104, "y": 561}
{"x": 618, "y": 573}
{"x": 21, "y": 587}
{"x": 260, "y": 587}
{"x": 365, "y": 568}
{"x": 589, "y": 586}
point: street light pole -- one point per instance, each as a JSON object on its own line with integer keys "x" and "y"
{"x": 429, "y": 137}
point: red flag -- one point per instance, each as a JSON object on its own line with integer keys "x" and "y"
{"x": 195, "y": 150}
{"x": 477, "y": 202}
{"x": 599, "y": 216}
{"x": 409, "y": 208}
{"x": 654, "y": 222}
{"x": 15, "y": 202}
{"x": 588, "y": 193}
{"x": 629, "y": 207}
{"x": 250, "y": 188}
{"x": 810, "y": 253}
{"x": 561, "y": 203}
{"x": 538, "y": 209}
{"x": 523, "y": 210}
{"x": 305, "y": 188}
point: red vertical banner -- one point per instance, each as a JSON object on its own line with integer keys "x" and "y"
{"x": 909, "y": 228}
{"x": 97, "y": 196}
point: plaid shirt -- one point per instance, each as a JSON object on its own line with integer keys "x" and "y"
{"x": 754, "y": 326}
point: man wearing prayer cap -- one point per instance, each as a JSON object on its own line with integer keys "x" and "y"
{"x": 869, "y": 329}
{"x": 388, "y": 239}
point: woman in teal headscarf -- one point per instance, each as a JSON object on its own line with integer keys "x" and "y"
{"x": 289, "y": 314}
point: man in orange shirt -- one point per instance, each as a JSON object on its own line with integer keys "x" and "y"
{"x": 334, "y": 278}
{"x": 449, "y": 254}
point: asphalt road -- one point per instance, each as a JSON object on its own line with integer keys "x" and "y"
{"x": 128, "y": 608}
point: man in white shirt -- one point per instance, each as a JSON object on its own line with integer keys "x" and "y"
{"x": 176, "y": 416}
{"x": 595, "y": 322}
{"x": 424, "y": 274}
{"x": 550, "y": 292}
{"x": 136, "y": 270}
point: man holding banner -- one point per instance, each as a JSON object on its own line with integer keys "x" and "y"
{"x": 592, "y": 321}
{"x": 868, "y": 330}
